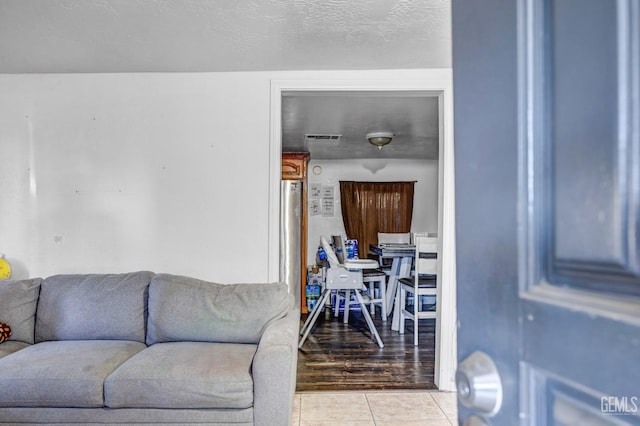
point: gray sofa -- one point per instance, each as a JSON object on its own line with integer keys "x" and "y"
{"x": 146, "y": 348}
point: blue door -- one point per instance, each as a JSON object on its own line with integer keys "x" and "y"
{"x": 547, "y": 146}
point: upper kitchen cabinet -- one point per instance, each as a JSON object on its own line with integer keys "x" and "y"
{"x": 294, "y": 165}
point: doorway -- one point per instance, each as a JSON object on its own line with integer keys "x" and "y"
{"x": 437, "y": 83}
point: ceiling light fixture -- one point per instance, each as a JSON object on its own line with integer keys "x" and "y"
{"x": 380, "y": 139}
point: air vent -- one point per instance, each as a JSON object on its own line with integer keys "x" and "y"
{"x": 322, "y": 138}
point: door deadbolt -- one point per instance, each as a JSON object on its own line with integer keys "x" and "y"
{"x": 478, "y": 383}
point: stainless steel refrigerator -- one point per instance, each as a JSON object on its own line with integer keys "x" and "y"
{"x": 290, "y": 236}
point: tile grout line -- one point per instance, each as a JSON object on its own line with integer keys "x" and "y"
{"x": 299, "y": 409}
{"x": 366, "y": 396}
{"x": 439, "y": 407}
{"x": 446, "y": 414}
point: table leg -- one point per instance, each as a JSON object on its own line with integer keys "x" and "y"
{"x": 393, "y": 282}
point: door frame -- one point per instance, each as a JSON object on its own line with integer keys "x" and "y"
{"x": 437, "y": 83}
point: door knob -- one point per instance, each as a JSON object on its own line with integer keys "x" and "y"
{"x": 478, "y": 383}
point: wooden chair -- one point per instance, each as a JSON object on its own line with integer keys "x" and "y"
{"x": 422, "y": 283}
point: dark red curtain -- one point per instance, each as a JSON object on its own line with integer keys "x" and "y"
{"x": 372, "y": 207}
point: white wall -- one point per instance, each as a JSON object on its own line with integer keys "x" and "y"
{"x": 425, "y": 207}
{"x": 117, "y": 172}
{"x": 121, "y": 172}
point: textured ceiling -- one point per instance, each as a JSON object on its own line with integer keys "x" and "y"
{"x": 411, "y": 116}
{"x": 78, "y": 36}
{"x": 222, "y": 35}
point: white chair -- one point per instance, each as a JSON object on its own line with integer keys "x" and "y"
{"x": 347, "y": 276}
{"x": 394, "y": 237}
{"x": 390, "y": 238}
{"x": 422, "y": 283}
{"x": 420, "y": 234}
{"x": 376, "y": 281}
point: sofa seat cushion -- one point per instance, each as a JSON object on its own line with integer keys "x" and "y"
{"x": 183, "y": 309}
{"x": 61, "y": 374}
{"x": 11, "y": 346}
{"x": 184, "y": 375}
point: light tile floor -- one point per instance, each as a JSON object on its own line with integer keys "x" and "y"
{"x": 375, "y": 408}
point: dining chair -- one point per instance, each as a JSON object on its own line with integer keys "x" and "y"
{"x": 422, "y": 283}
{"x": 419, "y": 234}
{"x": 394, "y": 237}
{"x": 342, "y": 276}
{"x": 391, "y": 238}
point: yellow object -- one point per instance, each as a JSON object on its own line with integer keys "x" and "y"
{"x": 5, "y": 269}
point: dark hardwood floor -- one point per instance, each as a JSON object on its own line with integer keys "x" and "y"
{"x": 339, "y": 356}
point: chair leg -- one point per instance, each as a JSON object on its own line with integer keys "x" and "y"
{"x": 367, "y": 317}
{"x": 315, "y": 312}
{"x": 372, "y": 295}
{"x": 347, "y": 306}
{"x": 416, "y": 316}
{"x": 311, "y": 320}
{"x": 383, "y": 297}
{"x": 336, "y": 306}
{"x": 401, "y": 308}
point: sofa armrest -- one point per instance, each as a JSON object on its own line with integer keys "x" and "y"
{"x": 274, "y": 371}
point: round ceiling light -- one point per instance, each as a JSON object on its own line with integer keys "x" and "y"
{"x": 380, "y": 139}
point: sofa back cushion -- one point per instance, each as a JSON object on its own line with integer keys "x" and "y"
{"x": 18, "y": 301}
{"x": 187, "y": 309}
{"x": 93, "y": 307}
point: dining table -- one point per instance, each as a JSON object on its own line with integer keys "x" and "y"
{"x": 402, "y": 259}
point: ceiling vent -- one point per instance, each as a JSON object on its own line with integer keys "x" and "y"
{"x": 322, "y": 138}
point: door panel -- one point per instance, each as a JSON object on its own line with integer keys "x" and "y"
{"x": 586, "y": 72}
{"x": 583, "y": 44}
{"x": 547, "y": 112}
